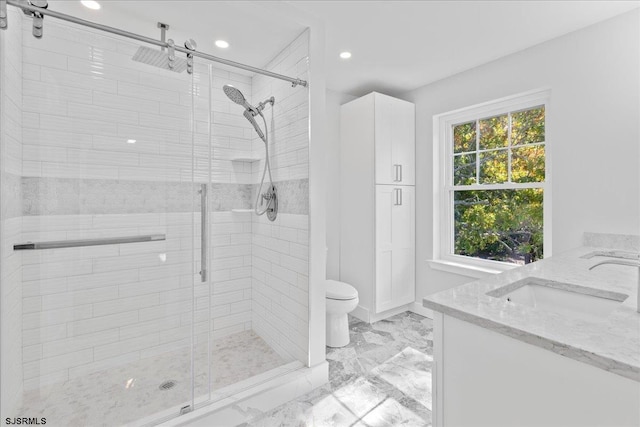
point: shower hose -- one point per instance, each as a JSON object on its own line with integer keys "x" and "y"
{"x": 267, "y": 167}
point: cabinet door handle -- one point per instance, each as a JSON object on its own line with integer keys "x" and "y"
{"x": 397, "y": 193}
{"x": 400, "y": 167}
{"x": 395, "y": 173}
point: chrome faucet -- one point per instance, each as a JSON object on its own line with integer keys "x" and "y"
{"x": 629, "y": 263}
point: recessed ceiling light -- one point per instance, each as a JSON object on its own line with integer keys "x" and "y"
{"x": 131, "y": 141}
{"x": 222, "y": 44}
{"x": 91, "y": 4}
{"x": 345, "y": 55}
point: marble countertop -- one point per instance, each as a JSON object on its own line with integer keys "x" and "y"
{"x": 611, "y": 343}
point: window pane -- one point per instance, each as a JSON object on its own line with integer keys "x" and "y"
{"x": 493, "y": 167}
{"x": 527, "y": 126}
{"x": 501, "y": 225}
{"x": 464, "y": 169}
{"x": 527, "y": 164}
{"x": 494, "y": 132}
{"x": 464, "y": 137}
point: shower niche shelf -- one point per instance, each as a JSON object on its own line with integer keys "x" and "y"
{"x": 241, "y": 210}
{"x": 245, "y": 159}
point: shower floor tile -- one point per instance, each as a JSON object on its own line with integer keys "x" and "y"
{"x": 132, "y": 391}
{"x": 382, "y": 378}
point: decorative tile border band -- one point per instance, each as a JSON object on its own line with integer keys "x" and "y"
{"x": 66, "y": 196}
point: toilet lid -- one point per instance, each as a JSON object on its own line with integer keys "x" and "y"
{"x": 340, "y": 290}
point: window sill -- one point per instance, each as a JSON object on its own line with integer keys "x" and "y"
{"x": 467, "y": 270}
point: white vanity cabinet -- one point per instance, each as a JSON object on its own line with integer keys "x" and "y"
{"x": 572, "y": 360}
{"x": 377, "y": 203}
{"x": 484, "y": 378}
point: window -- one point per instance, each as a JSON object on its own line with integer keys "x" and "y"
{"x": 492, "y": 182}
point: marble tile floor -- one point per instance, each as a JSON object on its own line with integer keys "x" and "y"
{"x": 382, "y": 378}
{"x": 130, "y": 392}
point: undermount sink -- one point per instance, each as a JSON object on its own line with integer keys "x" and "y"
{"x": 565, "y": 298}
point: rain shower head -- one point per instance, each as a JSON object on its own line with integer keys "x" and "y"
{"x": 164, "y": 59}
{"x": 160, "y": 59}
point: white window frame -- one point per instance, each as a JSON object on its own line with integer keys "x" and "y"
{"x": 443, "y": 225}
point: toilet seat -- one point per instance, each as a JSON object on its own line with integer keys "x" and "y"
{"x": 340, "y": 291}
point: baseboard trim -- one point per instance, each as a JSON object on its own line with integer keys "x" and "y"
{"x": 361, "y": 313}
{"x": 388, "y": 313}
{"x": 417, "y": 308}
{"x": 366, "y": 315}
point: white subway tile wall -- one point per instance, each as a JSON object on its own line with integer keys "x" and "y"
{"x": 280, "y": 266}
{"x": 10, "y": 222}
{"x": 84, "y": 98}
{"x": 280, "y": 283}
{"x": 130, "y": 301}
{"x": 288, "y": 120}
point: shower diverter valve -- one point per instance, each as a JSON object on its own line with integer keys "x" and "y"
{"x": 271, "y": 197}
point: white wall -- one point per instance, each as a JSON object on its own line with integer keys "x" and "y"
{"x": 334, "y": 101}
{"x": 593, "y": 132}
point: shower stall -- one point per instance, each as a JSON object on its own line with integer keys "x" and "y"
{"x": 137, "y": 281}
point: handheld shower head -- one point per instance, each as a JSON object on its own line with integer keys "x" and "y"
{"x": 236, "y": 96}
{"x": 249, "y": 116}
{"x": 250, "y": 113}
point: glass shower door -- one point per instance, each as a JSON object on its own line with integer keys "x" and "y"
{"x": 109, "y": 223}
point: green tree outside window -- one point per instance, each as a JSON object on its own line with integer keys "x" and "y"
{"x": 502, "y": 225}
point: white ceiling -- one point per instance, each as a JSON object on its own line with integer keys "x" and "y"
{"x": 396, "y": 45}
{"x": 255, "y": 33}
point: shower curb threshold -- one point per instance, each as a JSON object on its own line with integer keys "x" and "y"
{"x": 252, "y": 402}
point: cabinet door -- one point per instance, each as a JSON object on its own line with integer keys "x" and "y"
{"x": 403, "y": 142}
{"x": 385, "y": 170}
{"x": 394, "y": 141}
{"x": 395, "y": 247}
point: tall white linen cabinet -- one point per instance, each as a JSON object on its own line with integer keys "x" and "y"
{"x": 377, "y": 203}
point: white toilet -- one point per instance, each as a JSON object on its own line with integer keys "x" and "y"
{"x": 342, "y": 298}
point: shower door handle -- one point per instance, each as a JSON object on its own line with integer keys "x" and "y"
{"x": 203, "y": 232}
